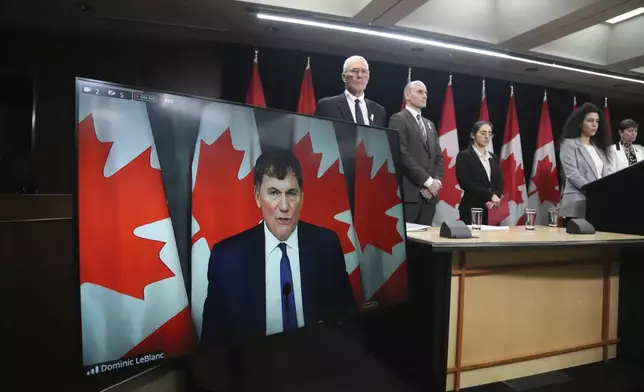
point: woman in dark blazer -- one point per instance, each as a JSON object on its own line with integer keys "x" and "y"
{"x": 479, "y": 174}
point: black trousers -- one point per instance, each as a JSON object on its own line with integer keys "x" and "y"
{"x": 420, "y": 212}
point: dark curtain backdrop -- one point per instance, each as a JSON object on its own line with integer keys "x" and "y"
{"x": 281, "y": 74}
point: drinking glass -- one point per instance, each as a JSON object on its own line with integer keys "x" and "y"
{"x": 530, "y": 215}
{"x": 477, "y": 218}
{"x": 553, "y": 217}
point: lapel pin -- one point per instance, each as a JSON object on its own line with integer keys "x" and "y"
{"x": 371, "y": 118}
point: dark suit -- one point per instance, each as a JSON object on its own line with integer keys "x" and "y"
{"x": 473, "y": 180}
{"x": 337, "y": 108}
{"x": 235, "y": 308}
{"x": 420, "y": 160}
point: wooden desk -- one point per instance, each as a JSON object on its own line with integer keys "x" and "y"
{"x": 514, "y": 303}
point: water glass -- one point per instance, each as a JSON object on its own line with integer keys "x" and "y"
{"x": 530, "y": 215}
{"x": 553, "y": 217}
{"x": 477, "y": 218}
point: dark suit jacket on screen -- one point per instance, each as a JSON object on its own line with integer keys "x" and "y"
{"x": 235, "y": 308}
{"x": 473, "y": 180}
{"x": 337, "y": 108}
{"x": 420, "y": 159}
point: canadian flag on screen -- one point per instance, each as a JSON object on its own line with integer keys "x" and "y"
{"x": 484, "y": 115}
{"x": 327, "y": 200}
{"x": 379, "y": 221}
{"x": 515, "y": 193}
{"x": 133, "y": 296}
{"x": 451, "y": 193}
{"x": 306, "y": 104}
{"x": 544, "y": 182}
{"x": 225, "y": 154}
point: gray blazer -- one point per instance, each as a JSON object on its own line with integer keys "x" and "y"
{"x": 578, "y": 169}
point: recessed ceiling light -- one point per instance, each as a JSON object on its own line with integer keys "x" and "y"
{"x": 429, "y": 42}
{"x": 532, "y": 69}
{"x": 627, "y": 15}
{"x": 416, "y": 50}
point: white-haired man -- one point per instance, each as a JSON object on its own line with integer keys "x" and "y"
{"x": 352, "y": 105}
{"x": 421, "y": 156}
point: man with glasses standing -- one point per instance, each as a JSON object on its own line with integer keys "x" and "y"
{"x": 352, "y": 106}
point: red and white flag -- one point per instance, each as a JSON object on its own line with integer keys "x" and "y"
{"x": 451, "y": 193}
{"x": 484, "y": 115}
{"x": 515, "y": 192}
{"x": 544, "y": 181}
{"x": 225, "y": 154}
{"x": 133, "y": 296}
{"x": 608, "y": 130}
{"x": 379, "y": 221}
{"x": 316, "y": 148}
{"x": 255, "y": 92}
{"x": 307, "y": 103}
{"x": 404, "y": 101}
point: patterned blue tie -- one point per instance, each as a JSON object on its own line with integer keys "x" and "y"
{"x": 359, "y": 118}
{"x": 289, "y": 314}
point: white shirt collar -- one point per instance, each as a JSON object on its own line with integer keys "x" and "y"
{"x": 482, "y": 155}
{"x": 413, "y": 111}
{"x": 353, "y": 98}
{"x": 271, "y": 242}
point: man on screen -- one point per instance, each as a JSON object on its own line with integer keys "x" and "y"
{"x": 279, "y": 275}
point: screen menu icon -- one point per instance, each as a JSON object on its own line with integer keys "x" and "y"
{"x": 107, "y": 92}
{"x": 145, "y": 97}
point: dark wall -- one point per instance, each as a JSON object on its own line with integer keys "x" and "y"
{"x": 54, "y": 61}
{"x": 281, "y": 73}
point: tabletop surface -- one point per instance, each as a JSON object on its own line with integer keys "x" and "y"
{"x": 518, "y": 236}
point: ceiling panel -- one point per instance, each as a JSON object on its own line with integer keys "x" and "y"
{"x": 589, "y": 45}
{"x": 470, "y": 19}
{"x": 345, "y": 8}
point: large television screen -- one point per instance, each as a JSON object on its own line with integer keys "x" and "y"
{"x": 210, "y": 223}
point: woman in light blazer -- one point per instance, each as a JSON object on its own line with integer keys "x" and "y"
{"x": 624, "y": 153}
{"x": 583, "y": 155}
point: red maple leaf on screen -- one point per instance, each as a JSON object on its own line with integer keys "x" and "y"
{"x": 514, "y": 180}
{"x": 324, "y": 197}
{"x": 373, "y": 197}
{"x": 109, "y": 211}
{"x": 222, "y": 204}
{"x": 546, "y": 182}
{"x": 449, "y": 193}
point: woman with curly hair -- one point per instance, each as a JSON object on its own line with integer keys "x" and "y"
{"x": 584, "y": 157}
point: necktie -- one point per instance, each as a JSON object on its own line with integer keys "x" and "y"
{"x": 359, "y": 118}
{"x": 423, "y": 131}
{"x": 289, "y": 315}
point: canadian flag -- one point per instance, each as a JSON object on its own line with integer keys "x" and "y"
{"x": 325, "y": 189}
{"x": 515, "y": 193}
{"x": 255, "y": 92}
{"x": 404, "y": 101}
{"x": 544, "y": 181}
{"x": 225, "y": 154}
{"x": 379, "y": 221}
{"x": 609, "y": 131}
{"x": 451, "y": 193}
{"x": 133, "y": 296}
{"x": 306, "y": 104}
{"x": 484, "y": 115}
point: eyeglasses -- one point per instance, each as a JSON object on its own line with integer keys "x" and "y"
{"x": 490, "y": 134}
{"x": 357, "y": 71}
